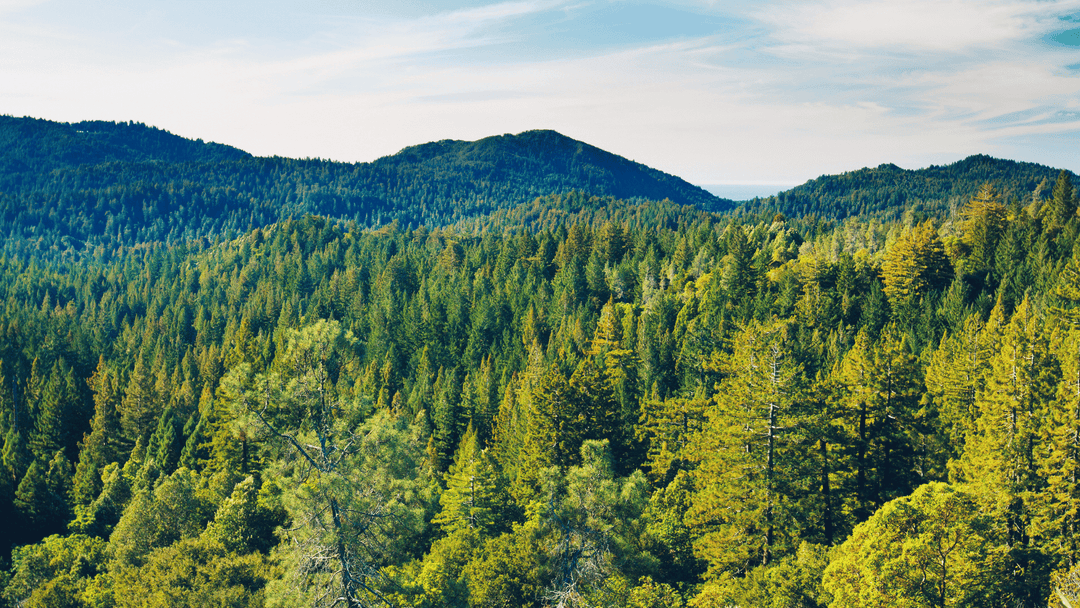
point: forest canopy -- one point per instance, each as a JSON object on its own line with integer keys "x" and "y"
{"x": 572, "y": 400}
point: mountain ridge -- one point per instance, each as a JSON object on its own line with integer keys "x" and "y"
{"x": 105, "y": 183}
{"x": 888, "y": 191}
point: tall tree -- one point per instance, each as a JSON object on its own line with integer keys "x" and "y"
{"x": 749, "y": 455}
{"x": 880, "y": 387}
{"x": 1062, "y": 201}
{"x": 1001, "y": 457}
{"x": 349, "y": 481}
{"x": 982, "y": 223}
{"x": 472, "y": 498}
{"x": 1057, "y": 516}
{"x": 915, "y": 265}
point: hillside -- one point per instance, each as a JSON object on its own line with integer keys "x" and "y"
{"x": 562, "y": 399}
{"x": 29, "y": 145}
{"x": 72, "y": 186}
{"x": 887, "y": 191}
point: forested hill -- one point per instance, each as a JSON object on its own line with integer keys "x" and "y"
{"x": 74, "y": 187}
{"x": 546, "y": 162}
{"x": 887, "y": 191}
{"x": 29, "y": 145}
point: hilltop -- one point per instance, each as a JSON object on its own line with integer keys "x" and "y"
{"x": 887, "y": 191}
{"x": 99, "y": 183}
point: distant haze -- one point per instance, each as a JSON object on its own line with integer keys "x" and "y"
{"x": 745, "y": 192}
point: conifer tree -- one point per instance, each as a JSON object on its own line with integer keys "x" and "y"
{"x": 880, "y": 406}
{"x": 472, "y": 498}
{"x": 982, "y": 223}
{"x": 1062, "y": 199}
{"x": 104, "y": 443}
{"x": 1057, "y": 516}
{"x": 954, "y": 377}
{"x": 57, "y": 408}
{"x": 668, "y": 426}
{"x": 139, "y": 407}
{"x": 1001, "y": 457}
{"x": 16, "y": 455}
{"x": 749, "y": 456}
{"x": 915, "y": 265}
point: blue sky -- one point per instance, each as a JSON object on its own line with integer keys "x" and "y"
{"x": 716, "y": 92}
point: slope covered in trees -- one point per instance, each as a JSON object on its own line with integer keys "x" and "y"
{"x": 567, "y": 399}
{"x": 596, "y": 407}
{"x": 75, "y": 187}
{"x": 888, "y": 192}
{"x": 29, "y": 145}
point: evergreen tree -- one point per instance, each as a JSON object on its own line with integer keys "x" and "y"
{"x": 982, "y": 223}
{"x": 954, "y": 377}
{"x": 915, "y": 265}
{"x": 1000, "y": 457}
{"x": 139, "y": 408}
{"x": 1057, "y": 518}
{"x": 750, "y": 456}
{"x": 472, "y": 498}
{"x": 104, "y": 443}
{"x": 881, "y": 386}
{"x": 1063, "y": 202}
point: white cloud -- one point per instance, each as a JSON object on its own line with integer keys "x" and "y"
{"x": 895, "y": 25}
{"x": 14, "y": 5}
{"x": 824, "y": 87}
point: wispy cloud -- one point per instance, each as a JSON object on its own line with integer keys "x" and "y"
{"x": 716, "y": 91}
{"x": 957, "y": 26}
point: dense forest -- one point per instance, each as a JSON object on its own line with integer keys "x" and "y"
{"x": 577, "y": 399}
{"x": 888, "y": 192}
{"x": 69, "y": 189}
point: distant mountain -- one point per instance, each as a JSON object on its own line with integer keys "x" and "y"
{"x": 102, "y": 183}
{"x": 30, "y": 144}
{"x": 887, "y": 191}
{"x": 547, "y": 162}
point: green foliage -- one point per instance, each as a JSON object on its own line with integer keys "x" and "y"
{"x": 889, "y": 192}
{"x": 243, "y": 524}
{"x": 474, "y": 496}
{"x": 936, "y": 547}
{"x": 54, "y": 571}
{"x": 915, "y": 265}
{"x": 274, "y": 375}
{"x": 749, "y": 456}
{"x": 192, "y": 573}
{"x": 106, "y": 184}
{"x": 173, "y": 511}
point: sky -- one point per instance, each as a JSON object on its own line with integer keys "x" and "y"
{"x": 716, "y": 92}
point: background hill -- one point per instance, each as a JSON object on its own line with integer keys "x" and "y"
{"x": 36, "y": 146}
{"x": 887, "y": 191}
{"x": 63, "y": 186}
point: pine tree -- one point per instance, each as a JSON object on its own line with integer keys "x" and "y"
{"x": 668, "y": 427}
{"x": 954, "y": 377}
{"x": 1058, "y": 511}
{"x": 749, "y": 456}
{"x": 140, "y": 406}
{"x": 879, "y": 401}
{"x": 56, "y": 410}
{"x": 32, "y": 501}
{"x": 104, "y": 443}
{"x": 982, "y": 223}
{"x": 1062, "y": 201}
{"x": 472, "y": 497}
{"x": 915, "y": 265}
{"x": 1001, "y": 457}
